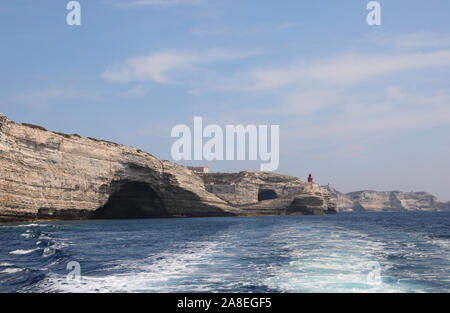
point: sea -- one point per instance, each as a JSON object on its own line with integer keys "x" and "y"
{"x": 405, "y": 252}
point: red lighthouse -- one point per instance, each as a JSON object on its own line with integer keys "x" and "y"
{"x": 310, "y": 178}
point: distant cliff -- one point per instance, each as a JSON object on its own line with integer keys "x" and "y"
{"x": 386, "y": 201}
{"x": 50, "y": 175}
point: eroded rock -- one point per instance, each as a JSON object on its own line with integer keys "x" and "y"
{"x": 369, "y": 200}
{"x": 49, "y": 175}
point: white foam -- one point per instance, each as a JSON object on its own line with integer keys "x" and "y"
{"x": 21, "y": 252}
{"x": 11, "y": 270}
{"x": 334, "y": 262}
{"x": 48, "y": 251}
{"x": 6, "y": 264}
{"x": 26, "y": 225}
{"x": 314, "y": 258}
{"x": 445, "y": 244}
{"x": 154, "y": 274}
{"x": 44, "y": 237}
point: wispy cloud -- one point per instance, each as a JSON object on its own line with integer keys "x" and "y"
{"x": 159, "y": 66}
{"x": 395, "y": 110}
{"x": 286, "y": 25}
{"x": 346, "y": 69}
{"x": 342, "y": 71}
{"x": 43, "y": 97}
{"x": 414, "y": 40}
{"x": 207, "y": 32}
{"x": 134, "y": 92}
{"x": 306, "y": 102}
{"x": 301, "y": 89}
{"x": 159, "y": 3}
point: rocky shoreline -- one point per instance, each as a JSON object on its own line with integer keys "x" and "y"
{"x": 48, "y": 175}
{"x": 391, "y": 201}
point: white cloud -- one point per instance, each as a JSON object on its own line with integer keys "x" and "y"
{"x": 330, "y": 84}
{"x": 399, "y": 119}
{"x": 336, "y": 72}
{"x": 153, "y": 67}
{"x": 159, "y": 66}
{"x": 395, "y": 110}
{"x": 304, "y": 102}
{"x": 344, "y": 70}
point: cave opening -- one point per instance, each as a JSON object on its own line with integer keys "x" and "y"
{"x": 131, "y": 199}
{"x": 267, "y": 194}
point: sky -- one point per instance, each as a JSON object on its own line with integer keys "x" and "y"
{"x": 360, "y": 107}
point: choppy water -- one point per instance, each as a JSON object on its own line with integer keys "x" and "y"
{"x": 336, "y": 253}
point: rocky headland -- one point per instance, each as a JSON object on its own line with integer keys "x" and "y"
{"x": 50, "y": 175}
{"x": 260, "y": 193}
{"x": 379, "y": 201}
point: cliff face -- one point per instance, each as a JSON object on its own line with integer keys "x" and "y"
{"x": 443, "y": 206}
{"x": 46, "y": 175}
{"x": 49, "y": 175}
{"x": 259, "y": 193}
{"x": 386, "y": 201}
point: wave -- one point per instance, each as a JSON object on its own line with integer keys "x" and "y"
{"x": 11, "y": 270}
{"x": 252, "y": 255}
{"x": 156, "y": 273}
{"x": 335, "y": 260}
{"x": 25, "y": 225}
{"x": 22, "y": 252}
{"x": 53, "y": 249}
{"x": 444, "y": 244}
{"x": 6, "y": 264}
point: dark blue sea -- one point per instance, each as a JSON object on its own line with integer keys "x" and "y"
{"x": 360, "y": 252}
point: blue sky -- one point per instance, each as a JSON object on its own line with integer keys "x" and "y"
{"x": 359, "y": 107}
